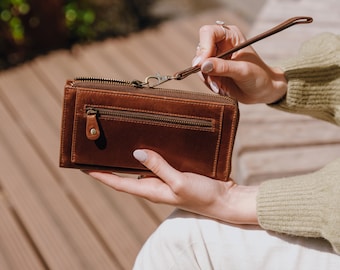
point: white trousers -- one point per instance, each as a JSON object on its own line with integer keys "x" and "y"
{"x": 188, "y": 241}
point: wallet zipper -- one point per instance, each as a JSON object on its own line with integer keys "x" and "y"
{"x": 93, "y": 113}
{"x": 108, "y": 81}
{"x": 107, "y": 84}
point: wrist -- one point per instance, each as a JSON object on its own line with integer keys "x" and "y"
{"x": 279, "y": 85}
{"x": 239, "y": 205}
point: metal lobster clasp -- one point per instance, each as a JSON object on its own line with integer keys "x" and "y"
{"x": 155, "y": 80}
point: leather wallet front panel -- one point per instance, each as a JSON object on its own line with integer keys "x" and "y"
{"x": 186, "y": 146}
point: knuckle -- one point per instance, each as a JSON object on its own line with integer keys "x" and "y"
{"x": 236, "y": 35}
{"x": 155, "y": 164}
{"x": 179, "y": 186}
{"x": 205, "y": 29}
{"x": 224, "y": 68}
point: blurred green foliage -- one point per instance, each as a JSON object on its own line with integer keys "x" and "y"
{"x": 79, "y": 20}
{"x": 32, "y": 27}
{"x": 11, "y": 11}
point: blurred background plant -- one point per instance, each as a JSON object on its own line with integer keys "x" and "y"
{"x": 32, "y": 27}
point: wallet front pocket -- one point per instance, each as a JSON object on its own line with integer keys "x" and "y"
{"x": 105, "y": 135}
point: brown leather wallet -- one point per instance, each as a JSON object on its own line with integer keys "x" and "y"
{"x": 104, "y": 121}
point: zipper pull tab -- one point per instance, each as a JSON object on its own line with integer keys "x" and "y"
{"x": 92, "y": 127}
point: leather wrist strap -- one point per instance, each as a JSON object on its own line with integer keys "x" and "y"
{"x": 288, "y": 23}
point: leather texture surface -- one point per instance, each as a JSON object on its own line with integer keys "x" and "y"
{"x": 102, "y": 124}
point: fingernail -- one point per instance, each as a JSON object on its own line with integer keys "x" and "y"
{"x": 196, "y": 61}
{"x": 140, "y": 155}
{"x": 207, "y": 67}
{"x": 214, "y": 87}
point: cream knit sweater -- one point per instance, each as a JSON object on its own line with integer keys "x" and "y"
{"x": 308, "y": 205}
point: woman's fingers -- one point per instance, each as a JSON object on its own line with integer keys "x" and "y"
{"x": 157, "y": 164}
{"x": 209, "y": 36}
{"x": 151, "y": 188}
{"x": 165, "y": 187}
{"x": 215, "y": 39}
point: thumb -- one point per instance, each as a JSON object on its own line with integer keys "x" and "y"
{"x": 225, "y": 68}
{"x": 157, "y": 164}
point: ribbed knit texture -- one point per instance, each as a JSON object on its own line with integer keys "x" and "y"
{"x": 314, "y": 80}
{"x": 308, "y": 205}
{"x": 305, "y": 205}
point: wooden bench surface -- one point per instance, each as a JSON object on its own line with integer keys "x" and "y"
{"x": 54, "y": 218}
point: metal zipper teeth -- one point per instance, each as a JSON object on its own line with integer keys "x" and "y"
{"x": 140, "y": 84}
{"x": 135, "y": 83}
{"x": 144, "y": 116}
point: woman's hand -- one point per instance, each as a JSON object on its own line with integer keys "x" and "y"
{"x": 245, "y": 76}
{"x": 225, "y": 201}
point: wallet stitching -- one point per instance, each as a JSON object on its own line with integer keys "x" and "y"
{"x": 217, "y": 146}
{"x": 150, "y": 122}
{"x": 154, "y": 97}
{"x": 231, "y": 142}
{"x": 75, "y": 130}
{"x": 63, "y": 127}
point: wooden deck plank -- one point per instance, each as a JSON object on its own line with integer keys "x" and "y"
{"x": 55, "y": 68}
{"x": 130, "y": 244}
{"x": 105, "y": 64}
{"x": 272, "y": 132}
{"x": 3, "y": 261}
{"x": 287, "y": 43}
{"x": 119, "y": 220}
{"x": 73, "y": 240}
{"x": 258, "y": 166}
{"x": 32, "y": 209}
{"x": 16, "y": 250}
{"x": 159, "y": 211}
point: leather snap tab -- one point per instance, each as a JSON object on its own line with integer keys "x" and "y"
{"x": 92, "y": 127}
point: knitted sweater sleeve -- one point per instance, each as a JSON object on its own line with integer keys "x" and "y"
{"x": 308, "y": 205}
